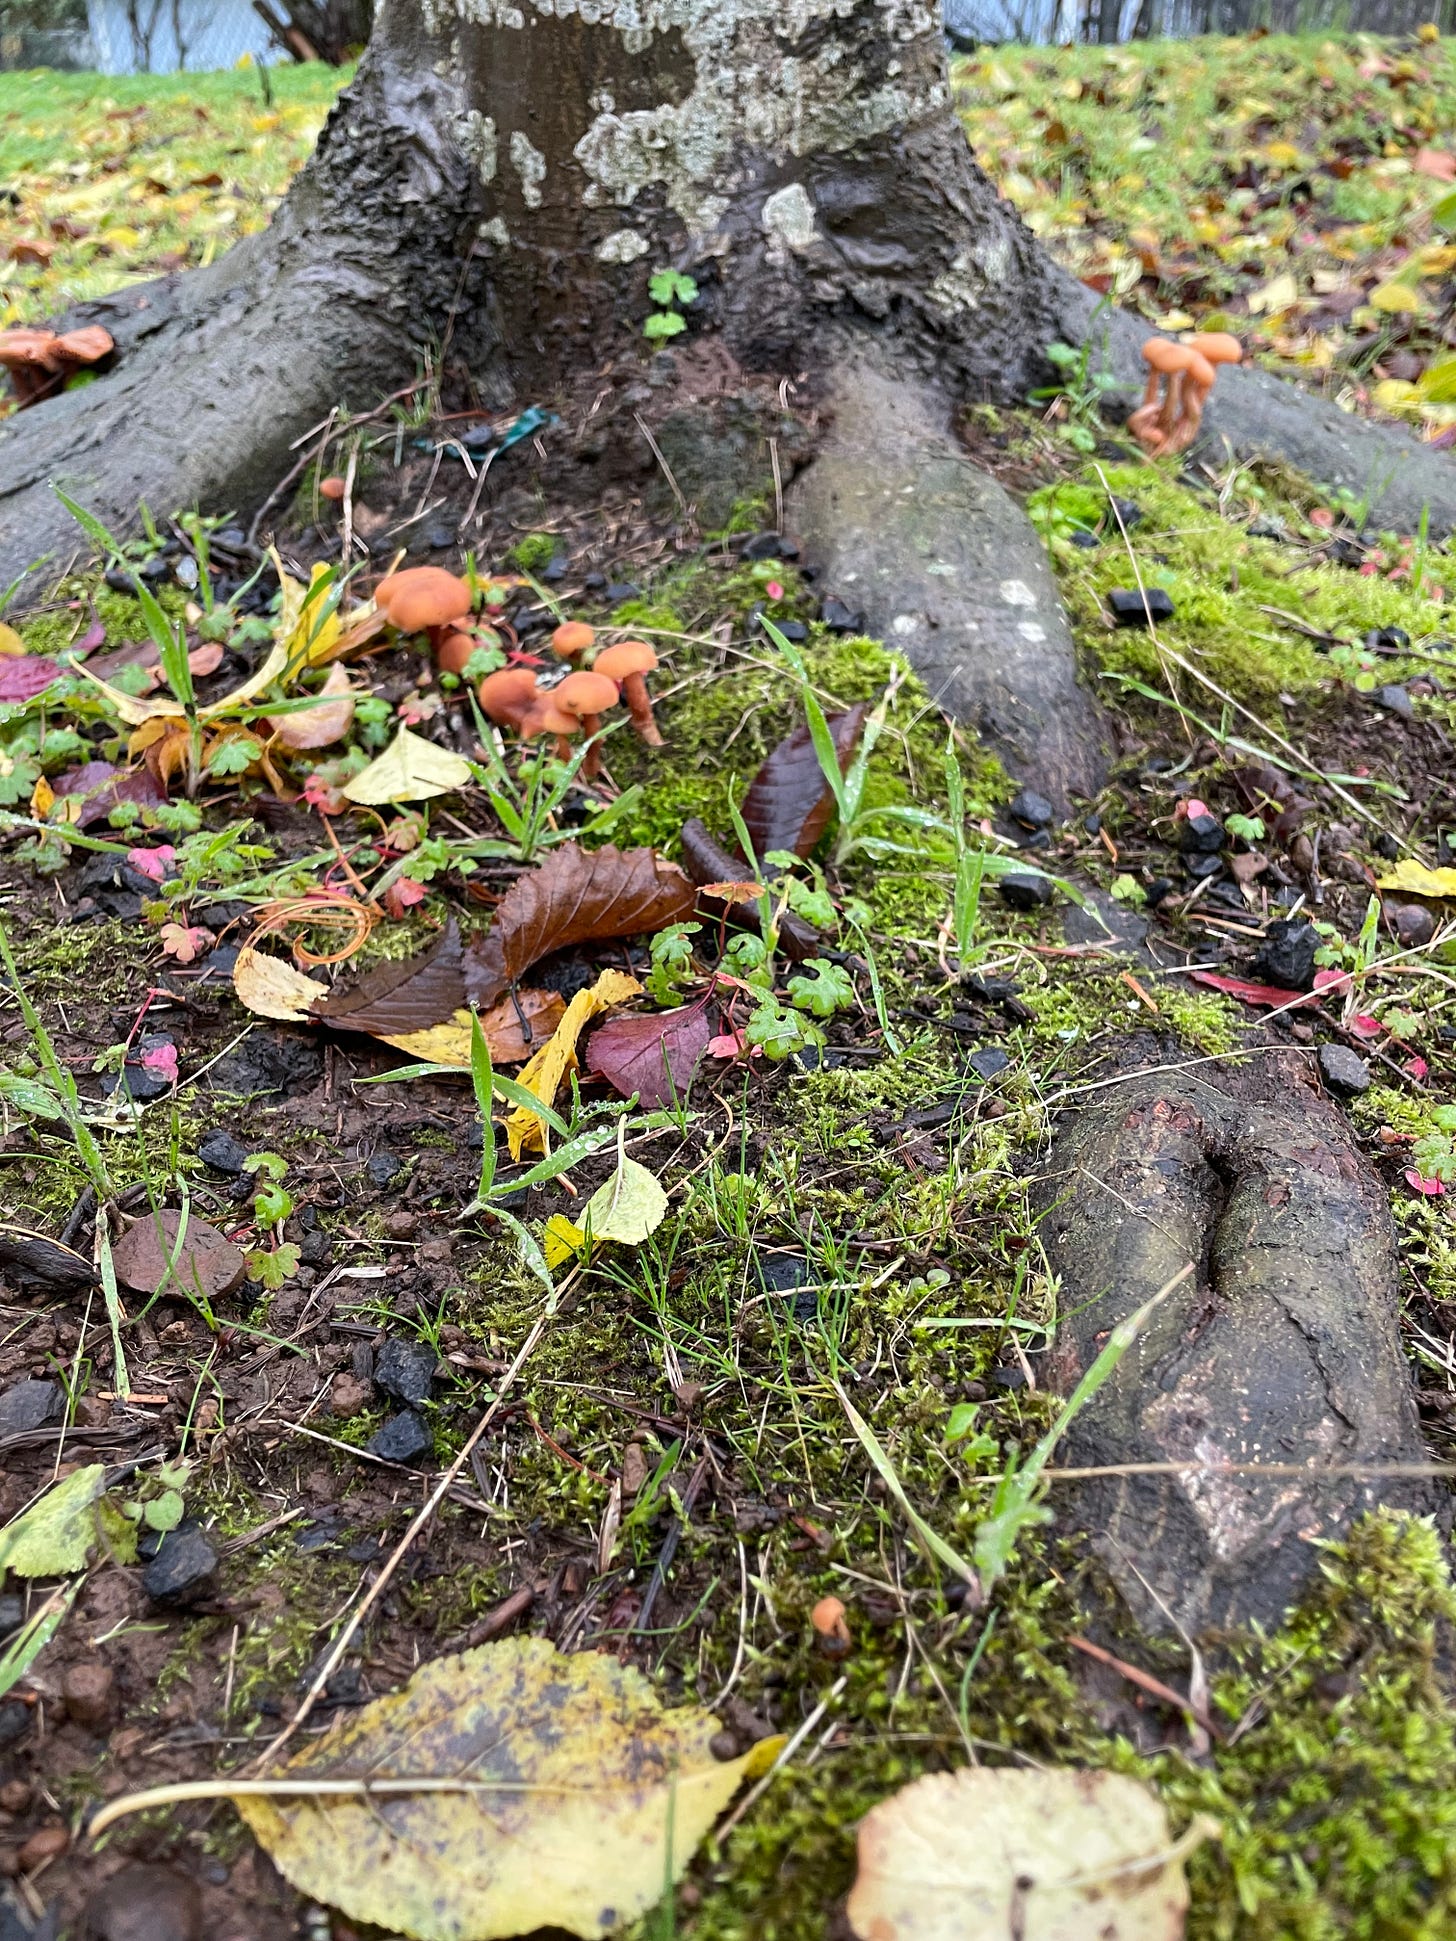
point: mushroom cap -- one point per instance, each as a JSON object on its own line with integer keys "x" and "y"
{"x": 422, "y": 596}
{"x": 627, "y": 657}
{"x": 1200, "y": 370}
{"x": 545, "y": 718}
{"x": 507, "y": 693}
{"x": 24, "y": 346}
{"x": 571, "y": 638}
{"x": 827, "y": 1616}
{"x": 332, "y": 488}
{"x": 1166, "y": 356}
{"x": 454, "y": 651}
{"x": 1217, "y": 347}
{"x": 585, "y": 693}
{"x": 85, "y": 346}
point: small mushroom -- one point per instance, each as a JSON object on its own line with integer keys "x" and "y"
{"x": 571, "y": 639}
{"x": 39, "y": 361}
{"x": 1197, "y": 382}
{"x": 629, "y": 663}
{"x": 423, "y": 599}
{"x": 1152, "y": 423}
{"x": 587, "y": 695}
{"x": 454, "y": 651}
{"x": 831, "y": 1628}
{"x": 545, "y": 718}
{"x": 332, "y": 487}
{"x": 508, "y": 695}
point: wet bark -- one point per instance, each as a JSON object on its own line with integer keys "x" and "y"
{"x": 1282, "y": 1349}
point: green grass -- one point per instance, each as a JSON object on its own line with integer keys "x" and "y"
{"x": 125, "y": 177}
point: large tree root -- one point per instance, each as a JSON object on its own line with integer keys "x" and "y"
{"x": 1281, "y": 1348}
{"x": 947, "y": 569}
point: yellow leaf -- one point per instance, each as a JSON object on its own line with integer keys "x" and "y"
{"x": 10, "y": 642}
{"x": 1283, "y": 154}
{"x": 995, "y": 1854}
{"x": 272, "y": 988}
{"x": 42, "y": 799}
{"x": 449, "y": 1043}
{"x": 569, "y": 1798}
{"x": 560, "y": 1240}
{"x": 1416, "y": 880}
{"x": 1175, "y": 320}
{"x": 629, "y": 1208}
{"x": 1394, "y": 394}
{"x": 307, "y": 632}
{"x": 1279, "y": 293}
{"x": 1395, "y": 297}
{"x": 410, "y": 769}
{"x": 544, "y": 1074}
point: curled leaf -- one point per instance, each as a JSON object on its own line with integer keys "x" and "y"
{"x": 543, "y": 1075}
{"x": 399, "y": 999}
{"x": 326, "y": 722}
{"x": 576, "y": 896}
{"x": 789, "y": 804}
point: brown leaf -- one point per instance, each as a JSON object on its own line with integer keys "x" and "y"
{"x": 577, "y": 895}
{"x": 656, "y": 1054}
{"x": 207, "y": 1264}
{"x": 789, "y": 803}
{"x": 398, "y": 999}
{"x": 326, "y": 722}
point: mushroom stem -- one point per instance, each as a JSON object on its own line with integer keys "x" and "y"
{"x": 591, "y": 761}
{"x": 639, "y": 707}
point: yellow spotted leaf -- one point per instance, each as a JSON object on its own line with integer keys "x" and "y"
{"x": 60, "y": 1532}
{"x": 998, "y": 1854}
{"x": 271, "y": 988}
{"x": 561, "y": 1239}
{"x": 1416, "y": 880}
{"x": 308, "y": 632}
{"x": 551, "y": 1791}
{"x": 449, "y": 1043}
{"x": 1396, "y": 297}
{"x": 543, "y": 1076}
{"x": 409, "y": 770}
{"x": 11, "y": 644}
{"x": 627, "y": 1210}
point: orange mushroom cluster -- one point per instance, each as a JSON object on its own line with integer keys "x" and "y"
{"x": 427, "y": 599}
{"x": 39, "y": 361}
{"x": 1180, "y": 378}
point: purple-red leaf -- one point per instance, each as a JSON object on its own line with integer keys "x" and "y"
{"x": 1250, "y": 993}
{"x": 25, "y": 676}
{"x": 101, "y": 787}
{"x": 655, "y": 1054}
{"x": 789, "y": 803}
{"x": 576, "y": 896}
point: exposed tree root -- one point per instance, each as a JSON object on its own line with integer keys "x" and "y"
{"x": 1281, "y": 1349}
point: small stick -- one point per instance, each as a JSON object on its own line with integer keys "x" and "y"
{"x": 1148, "y": 1683}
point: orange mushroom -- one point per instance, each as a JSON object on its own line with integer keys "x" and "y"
{"x": 508, "y": 695}
{"x": 1215, "y": 347}
{"x": 39, "y": 361}
{"x": 629, "y": 663}
{"x": 831, "y": 1627}
{"x": 1187, "y": 410}
{"x": 587, "y": 695}
{"x": 571, "y": 639}
{"x": 332, "y": 487}
{"x": 545, "y": 718}
{"x": 1153, "y": 420}
{"x": 422, "y": 599}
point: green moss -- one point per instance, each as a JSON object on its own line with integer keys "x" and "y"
{"x": 54, "y": 629}
{"x": 1221, "y": 579}
{"x": 534, "y": 552}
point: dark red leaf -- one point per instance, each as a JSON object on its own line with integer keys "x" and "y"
{"x": 25, "y": 676}
{"x": 1250, "y": 993}
{"x": 655, "y": 1054}
{"x": 576, "y": 896}
{"x": 789, "y": 803}
{"x": 399, "y": 998}
{"x": 101, "y": 787}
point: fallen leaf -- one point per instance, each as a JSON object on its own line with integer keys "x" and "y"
{"x": 1250, "y": 993}
{"x": 505, "y": 1035}
{"x": 1396, "y": 298}
{"x": 998, "y": 1854}
{"x": 1432, "y": 1188}
{"x": 789, "y": 804}
{"x": 184, "y": 943}
{"x": 161, "y": 1059}
{"x": 409, "y": 770}
{"x": 11, "y": 644}
{"x": 1435, "y": 163}
{"x": 604, "y": 1797}
{"x": 207, "y": 1264}
{"x": 402, "y": 896}
{"x": 1416, "y": 880}
{"x": 154, "y": 864}
{"x": 576, "y": 896}
{"x": 655, "y": 1054}
{"x": 397, "y": 1000}
{"x": 58, "y": 1534}
{"x": 627, "y": 1210}
{"x": 323, "y": 724}
{"x": 308, "y": 634}
{"x": 25, "y": 676}
{"x": 1279, "y": 293}
{"x": 271, "y": 988}
{"x": 99, "y": 788}
{"x": 543, "y": 1075}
